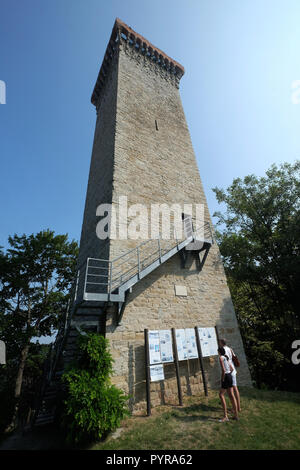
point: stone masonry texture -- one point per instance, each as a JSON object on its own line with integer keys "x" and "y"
{"x": 142, "y": 149}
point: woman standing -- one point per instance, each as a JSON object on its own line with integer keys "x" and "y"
{"x": 229, "y": 352}
{"x": 226, "y": 384}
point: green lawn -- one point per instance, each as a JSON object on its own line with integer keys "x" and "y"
{"x": 269, "y": 420}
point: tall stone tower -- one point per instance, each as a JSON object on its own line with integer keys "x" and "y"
{"x": 143, "y": 154}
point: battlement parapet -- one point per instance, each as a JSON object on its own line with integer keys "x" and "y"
{"x": 123, "y": 36}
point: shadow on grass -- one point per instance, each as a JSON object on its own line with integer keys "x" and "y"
{"x": 194, "y": 418}
{"x": 271, "y": 396}
{"x": 193, "y": 413}
{"x": 53, "y": 438}
{"x": 198, "y": 408}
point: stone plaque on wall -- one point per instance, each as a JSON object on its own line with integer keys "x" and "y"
{"x": 181, "y": 290}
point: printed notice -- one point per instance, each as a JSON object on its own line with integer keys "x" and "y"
{"x": 166, "y": 350}
{"x": 208, "y": 341}
{"x": 154, "y": 349}
{"x": 157, "y": 373}
{"x": 182, "y": 349}
{"x": 191, "y": 343}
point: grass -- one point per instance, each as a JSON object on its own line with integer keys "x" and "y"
{"x": 269, "y": 420}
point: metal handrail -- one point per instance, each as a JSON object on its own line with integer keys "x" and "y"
{"x": 115, "y": 279}
{"x": 124, "y": 273}
{"x": 130, "y": 251}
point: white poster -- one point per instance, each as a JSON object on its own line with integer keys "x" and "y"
{"x": 191, "y": 343}
{"x": 154, "y": 349}
{"x": 157, "y": 373}
{"x": 208, "y": 341}
{"x": 181, "y": 345}
{"x": 166, "y": 350}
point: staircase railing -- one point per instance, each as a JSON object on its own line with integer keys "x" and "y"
{"x": 61, "y": 334}
{"x": 105, "y": 276}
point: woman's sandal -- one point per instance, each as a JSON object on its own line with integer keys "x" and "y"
{"x": 224, "y": 420}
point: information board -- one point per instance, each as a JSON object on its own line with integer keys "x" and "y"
{"x": 166, "y": 350}
{"x": 157, "y": 373}
{"x": 154, "y": 347}
{"x": 192, "y": 350}
{"x": 208, "y": 341}
{"x": 161, "y": 349}
{"x": 181, "y": 342}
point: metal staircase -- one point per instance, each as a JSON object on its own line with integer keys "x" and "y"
{"x": 109, "y": 281}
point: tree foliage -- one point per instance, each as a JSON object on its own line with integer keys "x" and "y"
{"x": 93, "y": 407}
{"x": 259, "y": 239}
{"x": 36, "y": 273}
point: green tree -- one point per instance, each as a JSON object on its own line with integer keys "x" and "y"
{"x": 259, "y": 239}
{"x": 36, "y": 273}
{"x": 93, "y": 407}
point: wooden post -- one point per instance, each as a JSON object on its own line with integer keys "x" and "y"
{"x": 177, "y": 366}
{"x": 217, "y": 335}
{"x": 201, "y": 360}
{"x": 147, "y": 365}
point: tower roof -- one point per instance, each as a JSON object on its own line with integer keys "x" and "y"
{"x": 122, "y": 31}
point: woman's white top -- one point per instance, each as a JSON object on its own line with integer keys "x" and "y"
{"x": 226, "y": 365}
{"x": 229, "y": 354}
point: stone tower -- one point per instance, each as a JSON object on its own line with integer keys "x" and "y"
{"x": 142, "y": 151}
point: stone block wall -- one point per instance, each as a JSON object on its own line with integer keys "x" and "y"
{"x": 154, "y": 305}
{"x": 142, "y": 150}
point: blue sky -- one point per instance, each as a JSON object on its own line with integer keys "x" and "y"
{"x": 240, "y": 57}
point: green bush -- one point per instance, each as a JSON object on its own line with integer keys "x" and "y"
{"x": 93, "y": 407}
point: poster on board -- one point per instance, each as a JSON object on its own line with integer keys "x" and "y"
{"x": 154, "y": 349}
{"x": 166, "y": 350}
{"x": 191, "y": 343}
{"x": 157, "y": 373}
{"x": 208, "y": 341}
{"x": 182, "y": 349}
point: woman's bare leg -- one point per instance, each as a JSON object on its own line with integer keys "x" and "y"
{"x": 233, "y": 401}
{"x": 237, "y": 397}
{"x": 223, "y": 401}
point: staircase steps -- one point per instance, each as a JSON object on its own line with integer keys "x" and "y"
{"x": 87, "y": 312}
{"x": 44, "y": 419}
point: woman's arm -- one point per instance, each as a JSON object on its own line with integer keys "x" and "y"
{"x": 222, "y": 367}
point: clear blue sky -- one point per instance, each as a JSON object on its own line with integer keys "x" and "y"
{"x": 240, "y": 57}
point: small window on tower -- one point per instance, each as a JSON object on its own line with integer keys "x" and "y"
{"x": 156, "y": 125}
